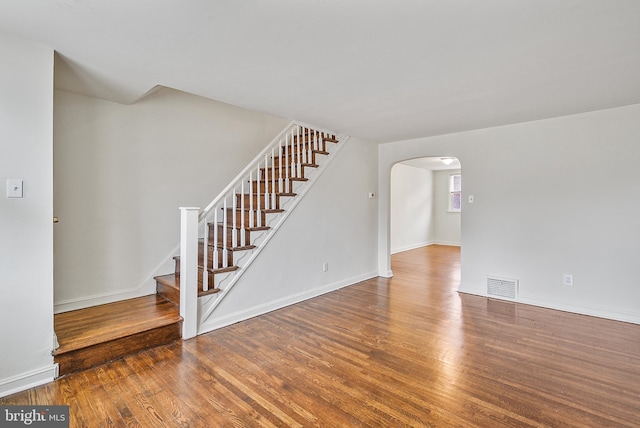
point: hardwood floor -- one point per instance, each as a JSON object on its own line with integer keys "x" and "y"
{"x": 406, "y": 351}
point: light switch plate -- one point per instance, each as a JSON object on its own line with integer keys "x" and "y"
{"x": 14, "y": 188}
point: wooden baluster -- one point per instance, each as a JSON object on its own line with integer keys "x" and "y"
{"x": 265, "y": 176}
{"x": 234, "y": 240}
{"x": 251, "y": 224}
{"x": 291, "y": 162}
{"x": 280, "y": 186}
{"x": 315, "y": 139}
{"x": 305, "y": 144}
{"x": 205, "y": 272}
{"x": 293, "y": 156}
{"x": 285, "y": 159}
{"x": 273, "y": 180}
{"x": 215, "y": 237}
{"x": 258, "y": 213}
{"x": 225, "y": 222}
{"x": 299, "y": 158}
{"x": 242, "y": 208}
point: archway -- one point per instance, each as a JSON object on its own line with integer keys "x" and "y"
{"x": 417, "y": 206}
{"x": 425, "y": 204}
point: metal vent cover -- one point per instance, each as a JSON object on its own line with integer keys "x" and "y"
{"x": 503, "y": 288}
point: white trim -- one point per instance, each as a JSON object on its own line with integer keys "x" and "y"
{"x": 412, "y": 247}
{"x": 189, "y": 270}
{"x": 387, "y": 274}
{"x": 214, "y": 323}
{"x": 447, "y": 243}
{"x": 102, "y": 299}
{"x": 28, "y": 380}
{"x": 632, "y": 318}
{"x": 425, "y": 244}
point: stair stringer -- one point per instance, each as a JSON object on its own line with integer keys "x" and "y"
{"x": 208, "y": 304}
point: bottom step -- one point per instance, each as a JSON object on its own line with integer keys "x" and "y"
{"x": 96, "y": 335}
{"x": 168, "y": 286}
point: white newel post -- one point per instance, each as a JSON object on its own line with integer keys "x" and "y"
{"x": 189, "y": 270}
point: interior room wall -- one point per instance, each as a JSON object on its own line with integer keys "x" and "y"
{"x": 552, "y": 197}
{"x": 26, "y": 229}
{"x": 412, "y": 207}
{"x": 121, "y": 173}
{"x": 447, "y": 223}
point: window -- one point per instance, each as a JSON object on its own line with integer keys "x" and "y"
{"x": 455, "y": 195}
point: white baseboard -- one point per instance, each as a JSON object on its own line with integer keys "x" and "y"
{"x": 424, "y": 244}
{"x": 386, "y": 274}
{"x": 412, "y": 247}
{"x": 28, "y": 380}
{"x": 582, "y": 310}
{"x": 214, "y": 323}
{"x": 632, "y": 318}
{"x": 102, "y": 299}
{"x": 447, "y": 243}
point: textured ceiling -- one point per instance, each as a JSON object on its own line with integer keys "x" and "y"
{"x": 381, "y": 70}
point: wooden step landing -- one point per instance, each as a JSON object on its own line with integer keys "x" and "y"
{"x": 168, "y": 286}
{"x": 96, "y": 335}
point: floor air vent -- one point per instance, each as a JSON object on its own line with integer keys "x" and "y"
{"x": 502, "y": 288}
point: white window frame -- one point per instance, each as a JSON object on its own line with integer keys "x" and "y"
{"x": 452, "y": 192}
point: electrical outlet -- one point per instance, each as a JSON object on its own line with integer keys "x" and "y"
{"x": 567, "y": 279}
{"x": 325, "y": 267}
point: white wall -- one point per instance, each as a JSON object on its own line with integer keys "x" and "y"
{"x": 26, "y": 235}
{"x": 335, "y": 223}
{"x": 122, "y": 171}
{"x": 447, "y": 224}
{"x": 412, "y": 207}
{"x": 552, "y": 197}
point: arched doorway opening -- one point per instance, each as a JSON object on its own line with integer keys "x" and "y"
{"x": 425, "y": 205}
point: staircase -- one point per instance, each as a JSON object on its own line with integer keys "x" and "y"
{"x": 237, "y": 224}
{"x": 232, "y": 231}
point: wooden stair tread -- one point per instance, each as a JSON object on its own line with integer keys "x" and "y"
{"x": 87, "y": 327}
{"x": 268, "y": 180}
{"x": 169, "y": 280}
{"x": 223, "y": 270}
{"x": 247, "y": 209}
{"x": 247, "y": 228}
{"x": 173, "y": 281}
{"x": 292, "y": 155}
{"x": 211, "y": 244}
{"x": 213, "y": 271}
{"x": 278, "y": 194}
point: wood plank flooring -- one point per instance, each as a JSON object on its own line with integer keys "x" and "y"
{"x": 406, "y": 351}
{"x": 95, "y": 335}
